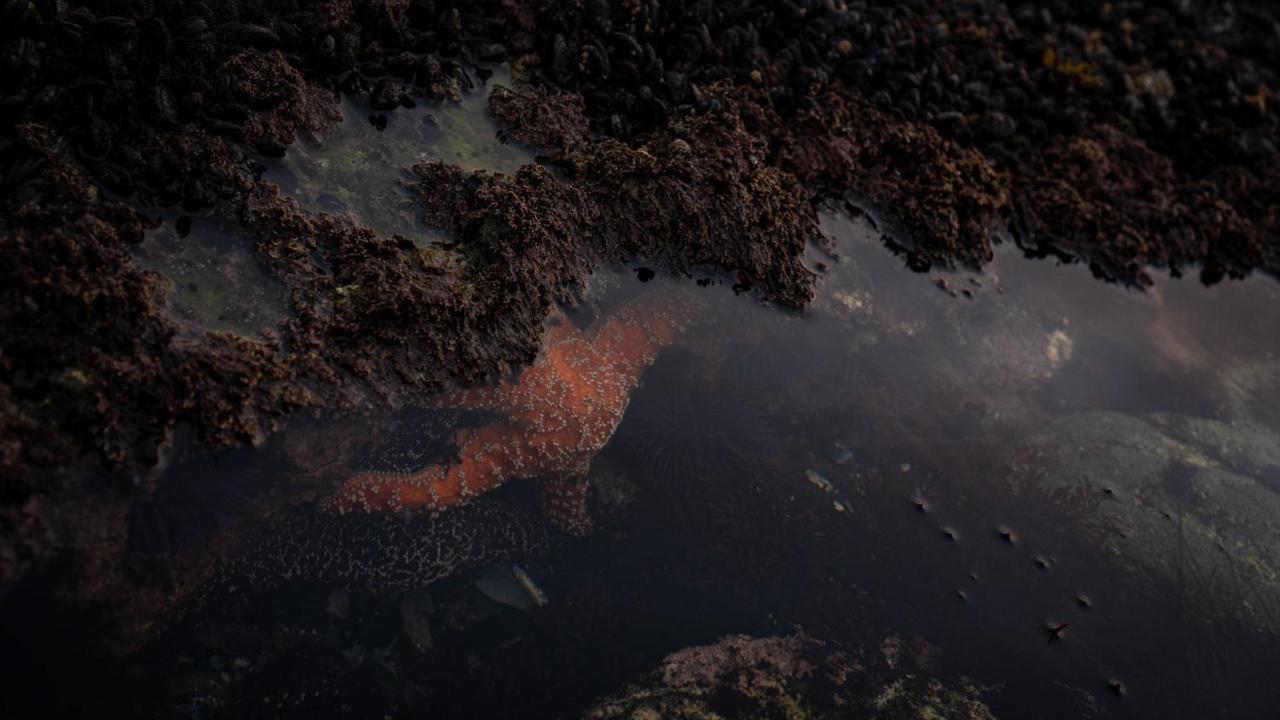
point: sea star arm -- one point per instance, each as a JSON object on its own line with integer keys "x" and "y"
{"x": 559, "y": 413}
{"x": 564, "y": 500}
{"x": 632, "y": 336}
{"x": 486, "y": 459}
{"x": 495, "y": 396}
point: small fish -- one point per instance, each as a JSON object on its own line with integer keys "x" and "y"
{"x": 839, "y": 506}
{"x": 821, "y": 482}
{"x": 840, "y": 454}
{"x": 535, "y": 593}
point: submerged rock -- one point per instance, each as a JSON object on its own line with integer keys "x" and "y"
{"x": 794, "y": 677}
{"x": 1252, "y": 393}
{"x": 1183, "y": 500}
{"x": 819, "y": 481}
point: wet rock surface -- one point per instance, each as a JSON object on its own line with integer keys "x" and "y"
{"x": 792, "y": 676}
{"x": 1189, "y": 502}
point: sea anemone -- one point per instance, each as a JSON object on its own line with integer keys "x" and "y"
{"x": 684, "y": 429}
{"x": 192, "y": 501}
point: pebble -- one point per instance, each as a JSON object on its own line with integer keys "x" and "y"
{"x": 840, "y": 454}
{"x": 819, "y": 481}
{"x": 415, "y": 624}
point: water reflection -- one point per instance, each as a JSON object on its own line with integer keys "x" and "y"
{"x": 1069, "y": 488}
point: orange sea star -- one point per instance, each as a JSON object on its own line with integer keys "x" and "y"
{"x": 557, "y": 415}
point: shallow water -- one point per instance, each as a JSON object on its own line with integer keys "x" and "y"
{"x": 361, "y": 167}
{"x": 216, "y": 281}
{"x": 357, "y": 167}
{"x": 1067, "y": 488}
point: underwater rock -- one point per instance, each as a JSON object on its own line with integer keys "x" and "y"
{"x": 1205, "y": 192}
{"x": 1163, "y": 499}
{"x": 819, "y": 481}
{"x": 1104, "y": 193}
{"x": 274, "y": 99}
{"x": 747, "y": 218}
{"x": 945, "y": 198}
{"x": 1253, "y": 394}
{"x": 26, "y": 538}
{"x": 1243, "y": 446}
{"x": 794, "y": 677}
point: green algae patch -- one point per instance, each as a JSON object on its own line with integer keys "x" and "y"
{"x": 216, "y": 282}
{"x": 360, "y": 165}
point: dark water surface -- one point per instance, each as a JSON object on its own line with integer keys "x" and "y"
{"x": 1069, "y": 490}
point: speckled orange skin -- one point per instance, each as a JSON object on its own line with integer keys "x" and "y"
{"x": 557, "y": 415}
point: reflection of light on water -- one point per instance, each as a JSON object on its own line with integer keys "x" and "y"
{"x": 357, "y": 168}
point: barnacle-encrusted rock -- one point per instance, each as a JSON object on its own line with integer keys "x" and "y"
{"x": 946, "y": 198}
{"x": 794, "y": 677}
